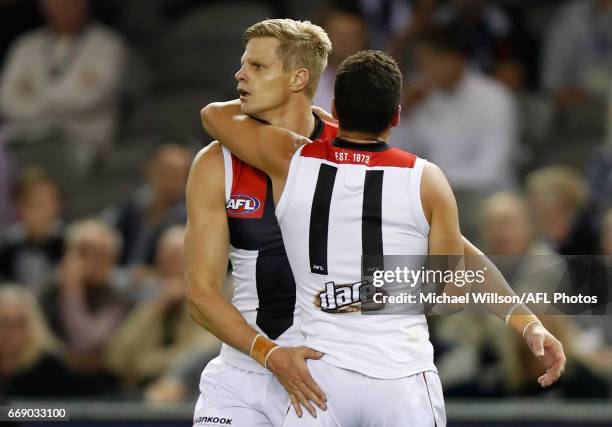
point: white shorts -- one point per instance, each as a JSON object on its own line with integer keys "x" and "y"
{"x": 356, "y": 400}
{"x": 230, "y": 396}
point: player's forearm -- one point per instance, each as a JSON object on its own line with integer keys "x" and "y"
{"x": 217, "y": 116}
{"x": 225, "y": 122}
{"x": 516, "y": 315}
{"x": 244, "y": 136}
{"x": 210, "y": 309}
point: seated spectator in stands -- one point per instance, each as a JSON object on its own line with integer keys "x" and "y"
{"x": 168, "y": 266}
{"x": 29, "y": 361}
{"x": 459, "y": 119}
{"x": 347, "y": 31}
{"x": 63, "y": 81}
{"x": 155, "y": 207}
{"x": 83, "y": 306}
{"x": 559, "y": 198}
{"x": 159, "y": 330}
{"x": 33, "y": 246}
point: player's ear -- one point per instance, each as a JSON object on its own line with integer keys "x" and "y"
{"x": 334, "y": 113}
{"x": 396, "y": 117}
{"x": 300, "y": 79}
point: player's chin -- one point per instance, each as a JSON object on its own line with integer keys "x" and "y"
{"x": 246, "y": 107}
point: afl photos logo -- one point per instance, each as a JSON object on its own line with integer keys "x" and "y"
{"x": 242, "y": 204}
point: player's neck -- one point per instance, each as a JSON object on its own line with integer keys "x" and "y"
{"x": 361, "y": 137}
{"x": 296, "y": 116}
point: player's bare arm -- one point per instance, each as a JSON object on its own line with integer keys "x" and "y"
{"x": 207, "y": 251}
{"x": 268, "y": 148}
{"x": 445, "y": 237}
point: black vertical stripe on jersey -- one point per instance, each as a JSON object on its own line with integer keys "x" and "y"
{"x": 371, "y": 223}
{"x": 273, "y": 276}
{"x": 319, "y": 219}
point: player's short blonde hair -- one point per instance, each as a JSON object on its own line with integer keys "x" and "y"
{"x": 302, "y": 45}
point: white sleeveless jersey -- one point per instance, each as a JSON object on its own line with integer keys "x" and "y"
{"x": 342, "y": 200}
{"x": 264, "y": 287}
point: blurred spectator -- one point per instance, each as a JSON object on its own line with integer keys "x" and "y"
{"x": 159, "y": 330}
{"x": 488, "y": 28}
{"x": 509, "y": 238}
{"x": 506, "y": 226}
{"x": 385, "y": 19}
{"x": 535, "y": 112}
{"x": 559, "y": 198}
{"x": 576, "y": 73}
{"x": 461, "y": 120}
{"x": 34, "y": 245}
{"x": 63, "y": 80}
{"x": 578, "y": 53}
{"x": 29, "y": 363}
{"x": 84, "y": 306}
{"x": 347, "y": 31}
{"x": 155, "y": 207}
{"x": 492, "y": 33}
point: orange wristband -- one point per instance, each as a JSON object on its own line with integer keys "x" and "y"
{"x": 260, "y": 349}
{"x": 520, "y": 322}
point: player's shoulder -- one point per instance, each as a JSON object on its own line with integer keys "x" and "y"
{"x": 209, "y": 160}
{"x": 398, "y": 157}
{"x": 212, "y": 153}
{"x": 435, "y": 189}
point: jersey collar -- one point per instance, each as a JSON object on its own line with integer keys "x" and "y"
{"x": 318, "y": 128}
{"x": 373, "y": 146}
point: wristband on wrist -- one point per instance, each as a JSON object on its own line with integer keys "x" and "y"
{"x": 261, "y": 348}
{"x": 511, "y": 311}
{"x": 520, "y": 322}
{"x": 527, "y": 325}
{"x": 268, "y": 356}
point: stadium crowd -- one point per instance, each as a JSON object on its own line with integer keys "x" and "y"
{"x": 99, "y": 124}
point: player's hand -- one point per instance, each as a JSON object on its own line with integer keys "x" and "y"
{"x": 548, "y": 350}
{"x": 289, "y": 366}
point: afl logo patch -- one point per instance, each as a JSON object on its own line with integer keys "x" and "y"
{"x": 241, "y": 204}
